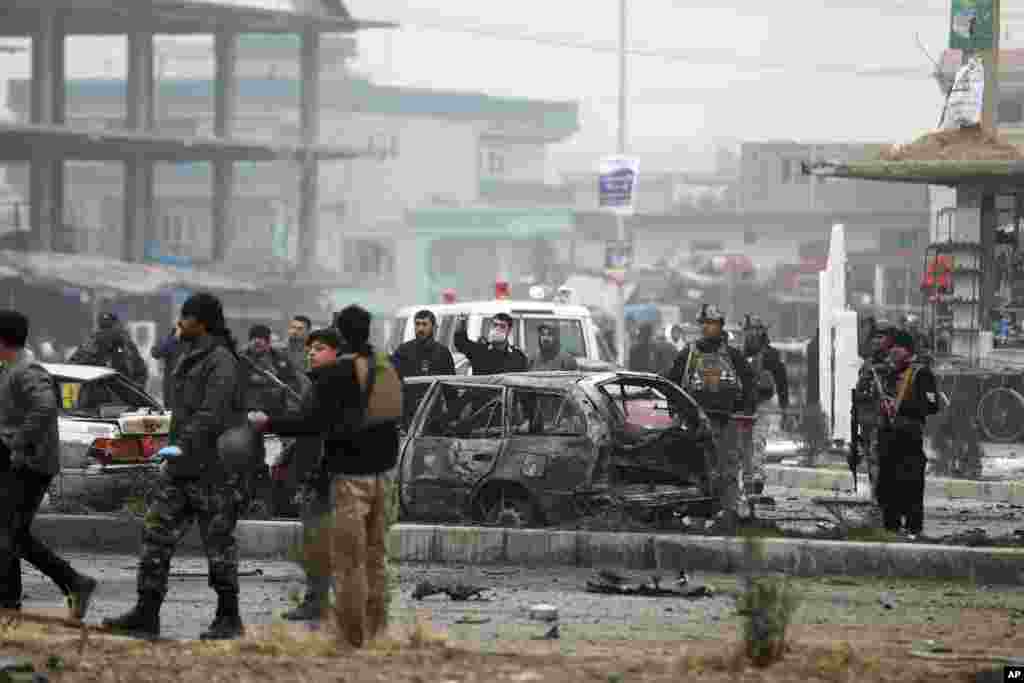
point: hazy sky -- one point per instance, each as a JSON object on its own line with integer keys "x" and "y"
{"x": 713, "y": 70}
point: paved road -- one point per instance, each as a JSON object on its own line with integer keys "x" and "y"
{"x": 190, "y": 603}
{"x": 943, "y": 517}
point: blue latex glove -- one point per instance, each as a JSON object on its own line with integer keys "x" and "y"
{"x": 166, "y": 453}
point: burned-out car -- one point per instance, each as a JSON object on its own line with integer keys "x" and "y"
{"x": 534, "y": 449}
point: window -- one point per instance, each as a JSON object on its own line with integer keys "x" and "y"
{"x": 397, "y": 334}
{"x": 641, "y": 406}
{"x": 570, "y": 336}
{"x": 412, "y": 396}
{"x": 466, "y": 412}
{"x": 368, "y": 258}
{"x": 540, "y": 414}
{"x": 106, "y": 397}
{"x": 495, "y": 163}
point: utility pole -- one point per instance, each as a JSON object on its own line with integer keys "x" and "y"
{"x": 620, "y": 314}
{"x": 990, "y": 58}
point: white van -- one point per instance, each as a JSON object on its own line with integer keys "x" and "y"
{"x": 580, "y": 336}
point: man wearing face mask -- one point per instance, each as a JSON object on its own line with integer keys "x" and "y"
{"x": 911, "y": 396}
{"x": 550, "y": 355}
{"x": 423, "y": 356}
{"x": 496, "y": 355}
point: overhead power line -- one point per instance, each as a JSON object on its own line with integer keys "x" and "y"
{"x": 693, "y": 56}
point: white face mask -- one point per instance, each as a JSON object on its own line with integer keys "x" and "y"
{"x": 497, "y": 336}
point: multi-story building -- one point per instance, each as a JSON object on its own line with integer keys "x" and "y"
{"x": 433, "y": 201}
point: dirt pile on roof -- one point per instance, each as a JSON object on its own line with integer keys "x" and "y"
{"x": 964, "y": 144}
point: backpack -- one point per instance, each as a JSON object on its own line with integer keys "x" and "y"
{"x": 712, "y": 379}
{"x": 381, "y": 389}
{"x": 765, "y": 378}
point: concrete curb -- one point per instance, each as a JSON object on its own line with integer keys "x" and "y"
{"x": 815, "y": 479}
{"x": 541, "y": 547}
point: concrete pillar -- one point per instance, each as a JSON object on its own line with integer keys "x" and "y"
{"x": 46, "y": 178}
{"x": 225, "y": 91}
{"x": 309, "y": 111}
{"x": 140, "y": 115}
{"x": 989, "y": 278}
{"x": 879, "y": 294}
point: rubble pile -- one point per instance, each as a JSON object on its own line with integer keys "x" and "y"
{"x": 963, "y": 144}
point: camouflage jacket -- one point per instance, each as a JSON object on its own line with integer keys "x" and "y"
{"x": 28, "y": 416}
{"x": 207, "y": 399}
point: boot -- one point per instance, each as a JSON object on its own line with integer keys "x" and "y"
{"x": 227, "y": 624}
{"x": 313, "y": 604}
{"x": 142, "y": 621}
{"x": 80, "y": 596}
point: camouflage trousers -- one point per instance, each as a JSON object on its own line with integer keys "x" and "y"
{"x": 172, "y": 506}
{"x": 358, "y": 557}
{"x": 753, "y": 456}
{"x": 725, "y": 463}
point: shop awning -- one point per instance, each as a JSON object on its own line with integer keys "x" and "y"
{"x": 951, "y": 173}
{"x": 101, "y": 274}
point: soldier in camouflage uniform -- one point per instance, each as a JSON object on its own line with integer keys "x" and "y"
{"x": 721, "y": 381}
{"x": 770, "y": 382}
{"x": 867, "y": 402}
{"x": 194, "y": 484}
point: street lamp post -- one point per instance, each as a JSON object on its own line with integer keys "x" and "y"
{"x": 620, "y": 313}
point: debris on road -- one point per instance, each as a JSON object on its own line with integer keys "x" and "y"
{"x": 544, "y": 613}
{"x": 473, "y": 621}
{"x": 609, "y": 583}
{"x": 458, "y": 592}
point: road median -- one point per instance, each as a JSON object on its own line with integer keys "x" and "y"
{"x": 822, "y": 479}
{"x": 555, "y": 548}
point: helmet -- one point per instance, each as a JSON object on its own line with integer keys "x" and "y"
{"x": 237, "y": 448}
{"x": 753, "y": 322}
{"x": 710, "y": 312}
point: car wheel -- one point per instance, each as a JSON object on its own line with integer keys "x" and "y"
{"x": 512, "y": 510}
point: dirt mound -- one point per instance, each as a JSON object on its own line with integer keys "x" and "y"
{"x": 964, "y": 144}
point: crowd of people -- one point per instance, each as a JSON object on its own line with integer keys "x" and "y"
{"x": 341, "y": 400}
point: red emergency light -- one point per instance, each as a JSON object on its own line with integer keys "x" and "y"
{"x": 448, "y": 296}
{"x": 502, "y": 290}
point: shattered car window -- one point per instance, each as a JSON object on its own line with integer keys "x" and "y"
{"x": 412, "y": 396}
{"x": 106, "y": 397}
{"x": 466, "y": 412}
{"x": 645, "y": 407}
{"x": 542, "y": 414}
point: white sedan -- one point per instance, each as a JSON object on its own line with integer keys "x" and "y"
{"x": 109, "y": 429}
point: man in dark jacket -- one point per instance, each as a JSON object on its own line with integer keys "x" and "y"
{"x": 911, "y": 396}
{"x": 29, "y": 459}
{"x": 874, "y": 371}
{"x": 550, "y": 355}
{"x": 649, "y": 354}
{"x": 721, "y": 381}
{"x": 358, "y": 459}
{"x": 194, "y": 484}
{"x": 423, "y": 356}
{"x": 112, "y": 347}
{"x": 298, "y": 331}
{"x": 497, "y": 354}
{"x": 260, "y": 360}
{"x": 770, "y": 380}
